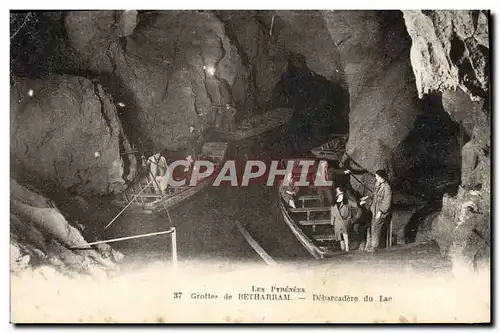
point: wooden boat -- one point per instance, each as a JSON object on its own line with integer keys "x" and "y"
{"x": 258, "y": 124}
{"x": 146, "y": 198}
{"x": 314, "y": 232}
{"x": 310, "y": 222}
{"x": 332, "y": 149}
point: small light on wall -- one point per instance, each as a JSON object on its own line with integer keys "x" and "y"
{"x": 120, "y": 104}
{"x": 97, "y": 154}
{"x": 210, "y": 70}
{"x": 30, "y": 92}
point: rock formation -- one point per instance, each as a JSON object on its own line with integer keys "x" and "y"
{"x": 372, "y": 47}
{"x": 65, "y": 130}
{"x": 176, "y": 68}
{"x": 450, "y": 54}
{"x": 40, "y": 235}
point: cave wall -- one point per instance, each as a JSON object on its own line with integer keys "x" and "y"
{"x": 450, "y": 49}
{"x": 56, "y": 132}
{"x": 161, "y": 64}
{"x": 373, "y": 48}
{"x": 450, "y": 54}
{"x": 250, "y": 32}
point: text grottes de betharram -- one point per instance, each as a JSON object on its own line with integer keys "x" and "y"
{"x": 280, "y": 293}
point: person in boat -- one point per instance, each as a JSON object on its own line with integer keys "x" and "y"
{"x": 343, "y": 214}
{"x": 381, "y": 209}
{"x": 230, "y": 118}
{"x": 195, "y": 142}
{"x": 328, "y": 174}
{"x": 288, "y": 190}
{"x": 157, "y": 166}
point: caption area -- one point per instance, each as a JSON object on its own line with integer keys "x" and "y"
{"x": 278, "y": 293}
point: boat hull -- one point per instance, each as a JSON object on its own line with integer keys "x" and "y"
{"x": 304, "y": 238}
{"x": 258, "y": 125}
{"x": 216, "y": 150}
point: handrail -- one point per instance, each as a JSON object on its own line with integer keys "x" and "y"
{"x": 169, "y": 231}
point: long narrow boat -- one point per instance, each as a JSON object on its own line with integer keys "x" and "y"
{"x": 315, "y": 234}
{"x": 148, "y": 200}
{"x": 258, "y": 124}
{"x": 310, "y": 222}
{"x": 332, "y": 149}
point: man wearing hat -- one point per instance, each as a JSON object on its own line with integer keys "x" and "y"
{"x": 343, "y": 214}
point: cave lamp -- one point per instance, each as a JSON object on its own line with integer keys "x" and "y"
{"x": 209, "y": 69}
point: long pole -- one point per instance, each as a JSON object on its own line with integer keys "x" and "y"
{"x": 130, "y": 202}
{"x": 260, "y": 251}
{"x": 353, "y": 176}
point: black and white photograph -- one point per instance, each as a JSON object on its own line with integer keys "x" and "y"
{"x": 250, "y": 166}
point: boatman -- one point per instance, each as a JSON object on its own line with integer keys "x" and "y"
{"x": 194, "y": 148}
{"x": 288, "y": 190}
{"x": 328, "y": 174}
{"x": 157, "y": 166}
{"x": 230, "y": 118}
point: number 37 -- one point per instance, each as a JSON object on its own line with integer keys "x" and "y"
{"x": 178, "y": 294}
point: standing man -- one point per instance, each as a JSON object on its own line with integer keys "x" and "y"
{"x": 194, "y": 148}
{"x": 381, "y": 209}
{"x": 324, "y": 191}
{"x": 343, "y": 214}
{"x": 195, "y": 142}
{"x": 328, "y": 174}
{"x": 288, "y": 190}
{"x": 157, "y": 166}
{"x": 231, "y": 121}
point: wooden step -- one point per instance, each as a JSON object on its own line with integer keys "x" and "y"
{"x": 149, "y": 196}
{"x": 324, "y": 238}
{"x": 309, "y": 197}
{"x": 314, "y": 222}
{"x": 309, "y": 209}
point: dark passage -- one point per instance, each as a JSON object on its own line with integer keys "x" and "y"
{"x": 429, "y": 158}
{"x": 322, "y": 106}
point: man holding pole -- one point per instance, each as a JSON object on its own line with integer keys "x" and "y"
{"x": 157, "y": 166}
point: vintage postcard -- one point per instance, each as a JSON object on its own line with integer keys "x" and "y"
{"x": 250, "y": 166}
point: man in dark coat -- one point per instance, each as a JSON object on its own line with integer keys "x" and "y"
{"x": 381, "y": 208}
{"x": 194, "y": 147}
{"x": 228, "y": 119}
{"x": 328, "y": 174}
{"x": 195, "y": 142}
{"x": 343, "y": 214}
